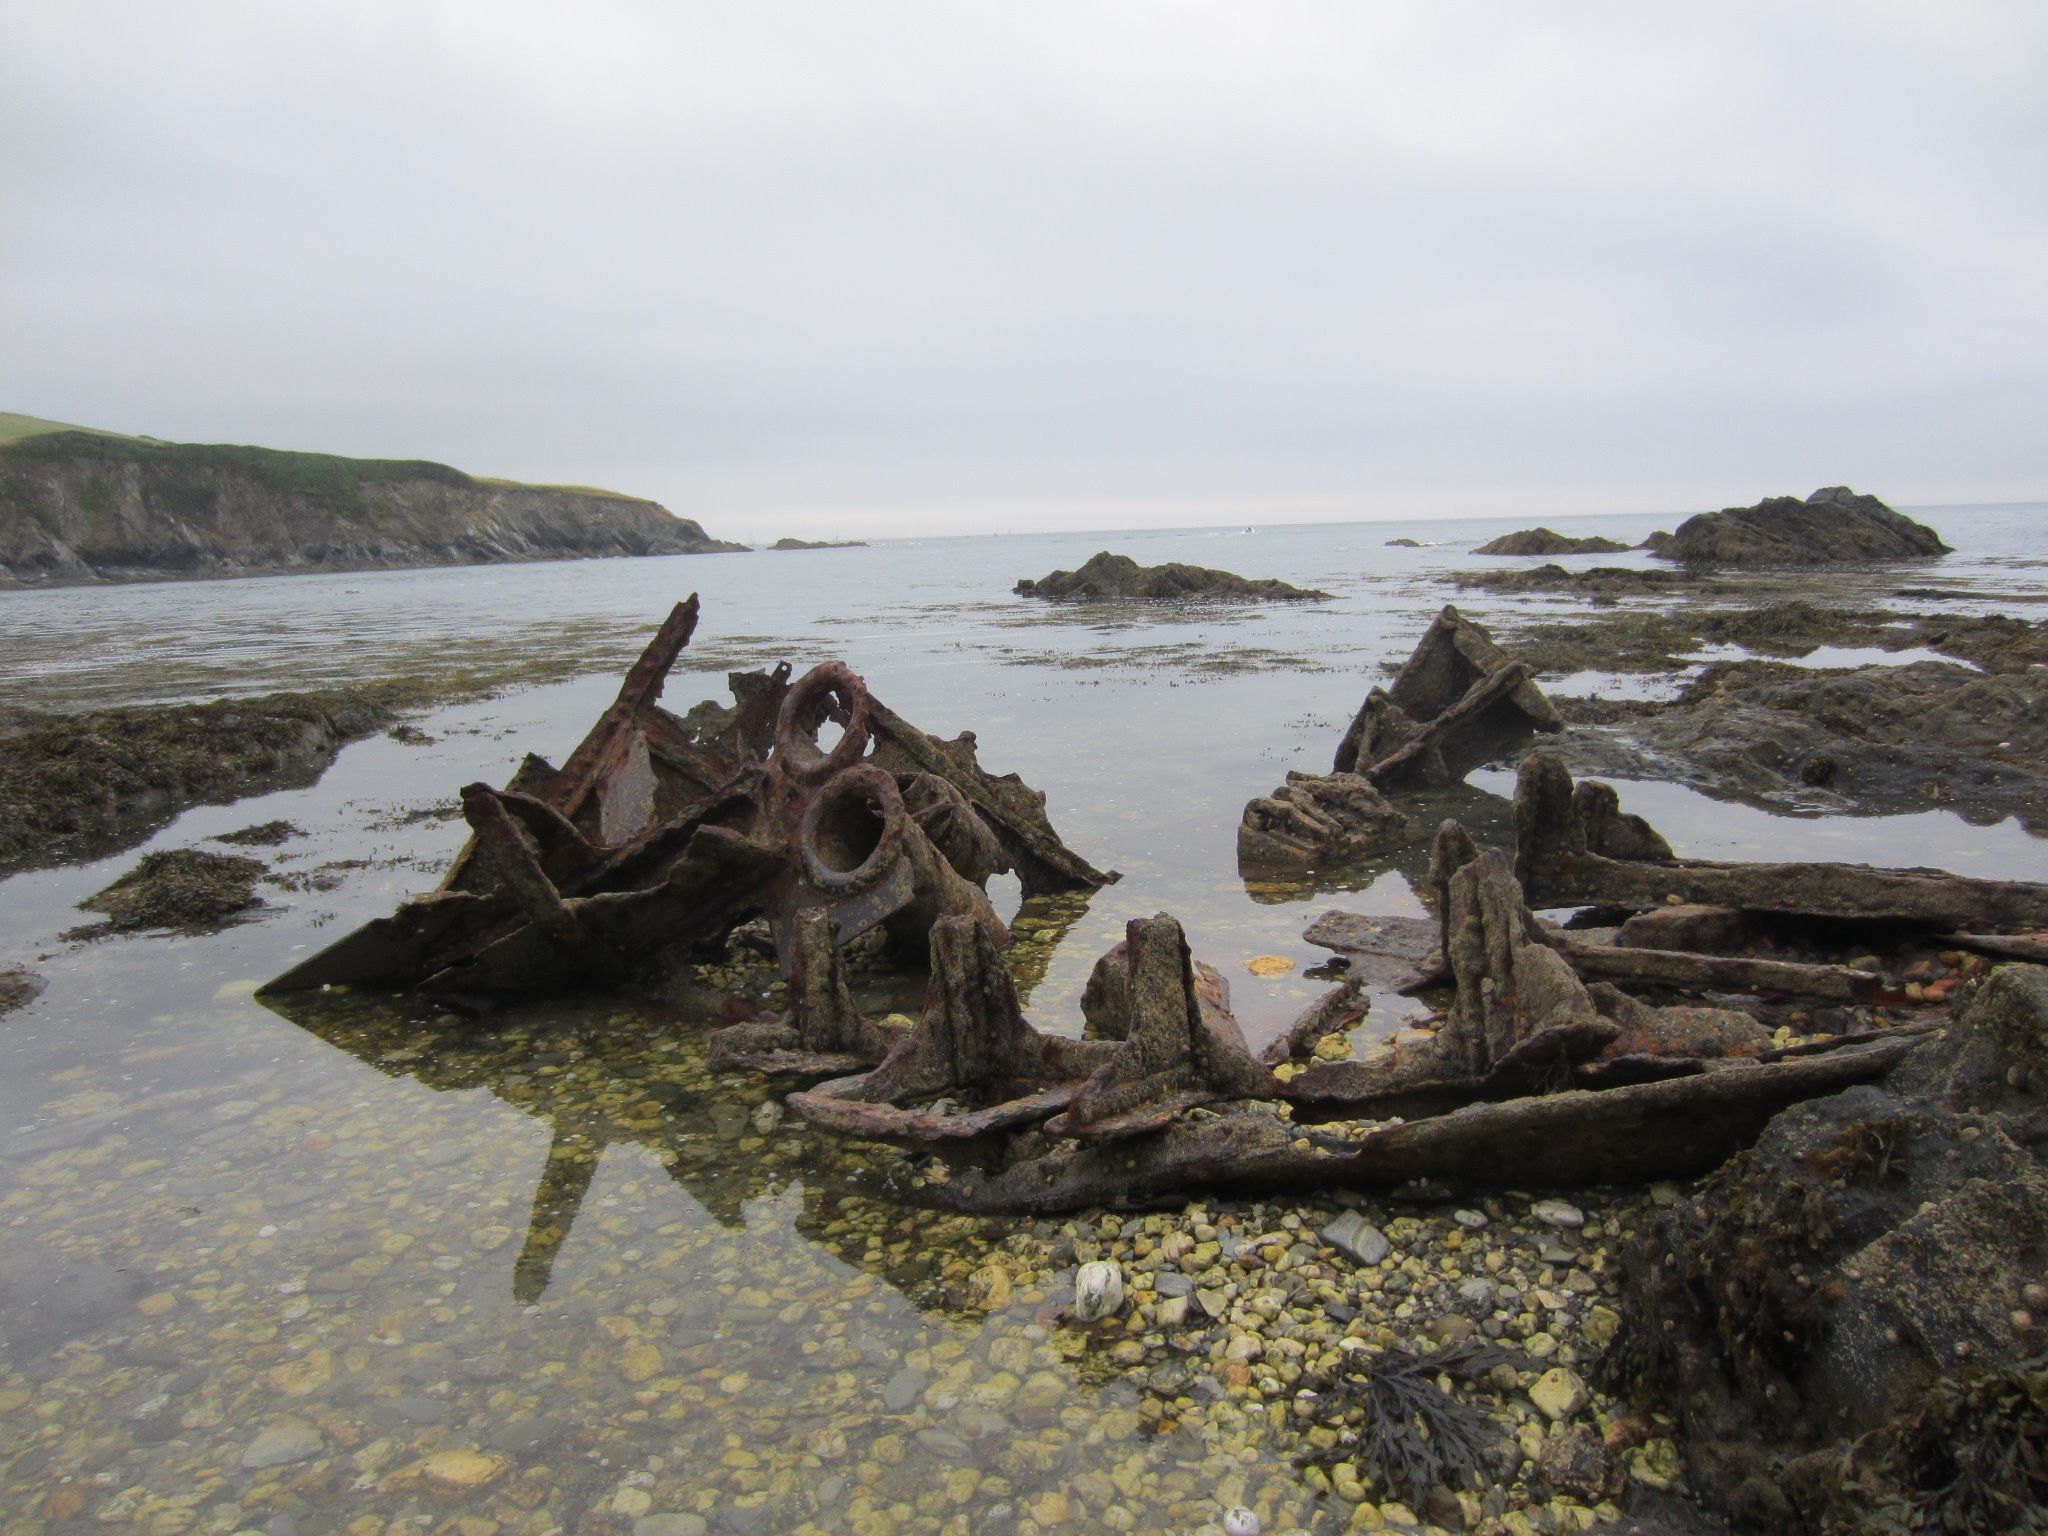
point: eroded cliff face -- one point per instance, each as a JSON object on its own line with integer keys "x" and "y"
{"x": 76, "y": 507}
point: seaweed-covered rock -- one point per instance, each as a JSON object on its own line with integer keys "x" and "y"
{"x": 1542, "y": 541}
{"x": 1876, "y": 1255}
{"x": 18, "y": 988}
{"x": 88, "y": 779}
{"x": 185, "y": 889}
{"x": 1870, "y": 739}
{"x": 1314, "y": 820}
{"x": 1833, "y": 526}
{"x": 1601, "y": 581}
{"x": 1109, "y": 577}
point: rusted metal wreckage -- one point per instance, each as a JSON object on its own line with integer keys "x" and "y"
{"x": 1458, "y": 703}
{"x": 661, "y": 833}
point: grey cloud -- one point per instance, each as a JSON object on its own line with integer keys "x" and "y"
{"x": 792, "y": 266}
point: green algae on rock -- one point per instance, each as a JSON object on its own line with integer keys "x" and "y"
{"x": 187, "y": 890}
{"x": 1108, "y": 577}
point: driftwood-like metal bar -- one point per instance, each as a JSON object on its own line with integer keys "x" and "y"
{"x": 1573, "y": 846}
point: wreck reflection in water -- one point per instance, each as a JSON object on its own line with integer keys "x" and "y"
{"x": 601, "y": 1072}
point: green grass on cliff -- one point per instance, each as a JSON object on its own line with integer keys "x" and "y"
{"x": 14, "y": 427}
{"x": 280, "y": 469}
{"x": 306, "y": 474}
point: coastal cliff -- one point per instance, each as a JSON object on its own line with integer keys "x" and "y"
{"x": 80, "y": 506}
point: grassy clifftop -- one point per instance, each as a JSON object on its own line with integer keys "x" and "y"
{"x": 80, "y": 505}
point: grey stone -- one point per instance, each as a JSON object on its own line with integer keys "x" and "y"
{"x": 1350, "y": 1233}
{"x": 670, "y": 1525}
{"x": 903, "y": 1389}
{"x": 281, "y": 1443}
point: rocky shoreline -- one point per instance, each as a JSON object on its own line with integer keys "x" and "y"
{"x": 83, "y": 507}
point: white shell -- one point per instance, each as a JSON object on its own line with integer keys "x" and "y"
{"x": 1241, "y": 1522}
{"x": 1098, "y": 1291}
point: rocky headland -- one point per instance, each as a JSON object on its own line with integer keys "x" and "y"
{"x": 1108, "y": 577}
{"x": 1833, "y": 526}
{"x": 84, "y": 507}
{"x": 1542, "y": 541}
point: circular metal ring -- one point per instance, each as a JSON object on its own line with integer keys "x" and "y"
{"x": 797, "y": 747}
{"x": 878, "y": 787}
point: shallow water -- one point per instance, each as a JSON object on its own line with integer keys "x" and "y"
{"x": 561, "y": 1241}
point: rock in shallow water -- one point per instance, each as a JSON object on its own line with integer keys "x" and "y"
{"x": 1559, "y": 1393}
{"x": 1098, "y": 1291}
{"x": 1558, "y": 1213}
{"x": 282, "y": 1442}
{"x": 1350, "y": 1233}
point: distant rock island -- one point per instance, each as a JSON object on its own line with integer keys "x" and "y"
{"x": 1107, "y": 577}
{"x": 1542, "y": 541}
{"x": 819, "y": 544}
{"x": 1834, "y": 526}
{"x": 1404, "y": 543}
{"x": 78, "y": 506}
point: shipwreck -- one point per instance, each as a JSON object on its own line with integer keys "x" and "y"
{"x": 660, "y": 835}
{"x": 1645, "y": 1039}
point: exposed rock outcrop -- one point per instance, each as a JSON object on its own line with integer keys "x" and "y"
{"x": 77, "y": 507}
{"x": 1849, "y": 1316}
{"x": 1833, "y": 526}
{"x": 1602, "y": 581}
{"x": 72, "y": 783}
{"x": 819, "y": 544}
{"x": 1542, "y": 541}
{"x": 187, "y": 890}
{"x": 1871, "y": 739}
{"x": 1109, "y": 577}
{"x": 18, "y": 988}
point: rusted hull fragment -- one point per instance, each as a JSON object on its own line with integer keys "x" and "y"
{"x": 1669, "y": 1129}
{"x": 1458, "y": 703}
{"x": 971, "y": 1066}
{"x": 1573, "y": 846}
{"x": 661, "y": 833}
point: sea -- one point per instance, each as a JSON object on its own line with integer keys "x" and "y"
{"x": 260, "y": 1266}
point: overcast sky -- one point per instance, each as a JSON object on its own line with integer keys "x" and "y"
{"x": 900, "y": 267}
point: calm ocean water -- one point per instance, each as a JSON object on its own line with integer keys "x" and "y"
{"x": 219, "y": 1222}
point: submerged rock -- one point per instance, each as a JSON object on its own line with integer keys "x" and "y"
{"x": 281, "y": 1443}
{"x": 1108, "y": 576}
{"x": 1542, "y": 541}
{"x": 1352, "y": 1235}
{"x": 1833, "y": 526}
{"x": 185, "y": 889}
